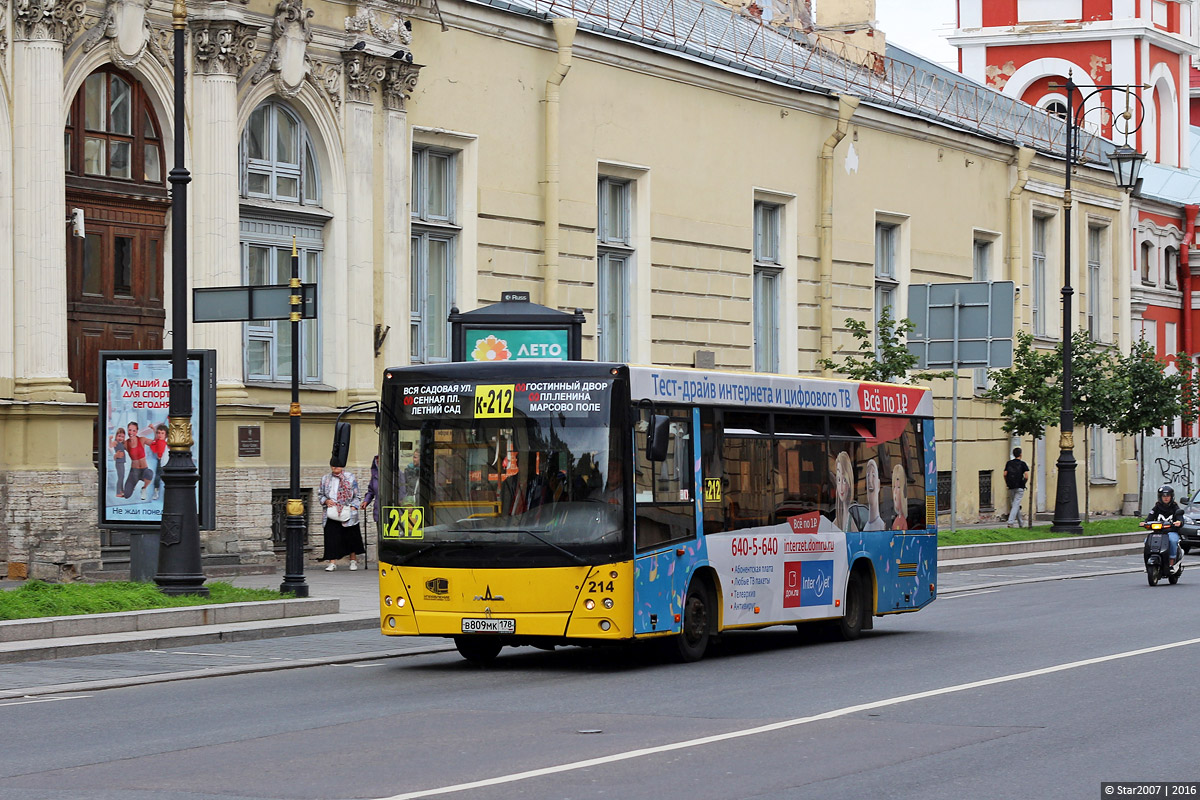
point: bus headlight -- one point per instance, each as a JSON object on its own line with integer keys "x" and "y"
{"x": 400, "y": 602}
{"x": 608, "y": 603}
{"x": 605, "y": 624}
{"x": 589, "y": 604}
{"x": 387, "y": 601}
{"x": 391, "y": 622}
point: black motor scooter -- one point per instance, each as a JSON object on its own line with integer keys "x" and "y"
{"x": 1156, "y": 553}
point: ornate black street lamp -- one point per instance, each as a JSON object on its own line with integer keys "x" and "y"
{"x": 179, "y": 547}
{"x": 1126, "y": 163}
{"x": 293, "y": 575}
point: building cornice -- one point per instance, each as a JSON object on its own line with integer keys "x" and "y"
{"x": 1089, "y": 32}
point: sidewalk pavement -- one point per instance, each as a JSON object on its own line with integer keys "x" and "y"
{"x": 352, "y": 636}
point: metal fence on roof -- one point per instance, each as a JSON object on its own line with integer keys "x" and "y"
{"x": 739, "y": 40}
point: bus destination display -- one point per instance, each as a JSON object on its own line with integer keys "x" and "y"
{"x": 577, "y": 398}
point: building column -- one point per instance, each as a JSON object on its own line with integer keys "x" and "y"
{"x": 216, "y": 258}
{"x": 396, "y": 275}
{"x": 364, "y": 73}
{"x": 39, "y": 200}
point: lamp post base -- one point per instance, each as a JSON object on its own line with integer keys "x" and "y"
{"x": 293, "y": 576}
{"x": 179, "y": 543}
{"x": 1066, "y": 501}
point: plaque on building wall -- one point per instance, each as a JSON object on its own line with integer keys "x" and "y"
{"x": 249, "y": 441}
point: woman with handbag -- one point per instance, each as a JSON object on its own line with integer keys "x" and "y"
{"x": 339, "y": 496}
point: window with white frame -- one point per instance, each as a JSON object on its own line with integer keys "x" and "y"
{"x": 1170, "y": 267}
{"x": 1038, "y": 306}
{"x": 1102, "y": 455}
{"x": 767, "y": 271}
{"x": 278, "y": 167}
{"x": 1146, "y": 263}
{"x": 433, "y": 252}
{"x": 1095, "y": 255}
{"x": 278, "y": 161}
{"x": 887, "y": 280}
{"x": 981, "y": 270}
{"x": 614, "y": 261}
{"x": 267, "y": 261}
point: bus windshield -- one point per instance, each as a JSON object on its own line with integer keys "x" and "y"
{"x": 530, "y": 483}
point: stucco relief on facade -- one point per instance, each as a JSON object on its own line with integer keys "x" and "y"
{"x": 222, "y": 47}
{"x": 998, "y": 76}
{"x": 367, "y": 73}
{"x": 398, "y": 34}
{"x": 48, "y": 19}
{"x": 126, "y": 27}
{"x": 287, "y": 57}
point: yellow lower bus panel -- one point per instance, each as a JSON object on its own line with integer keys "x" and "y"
{"x": 564, "y": 602}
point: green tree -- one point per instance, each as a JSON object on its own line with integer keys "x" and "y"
{"x": 1030, "y": 395}
{"x": 1094, "y": 397}
{"x": 1147, "y": 397}
{"x": 884, "y": 358}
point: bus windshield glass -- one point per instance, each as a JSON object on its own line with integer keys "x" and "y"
{"x": 513, "y": 473}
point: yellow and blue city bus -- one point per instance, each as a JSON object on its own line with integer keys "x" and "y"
{"x": 531, "y": 503}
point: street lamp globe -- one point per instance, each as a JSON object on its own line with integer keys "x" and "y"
{"x": 1126, "y": 163}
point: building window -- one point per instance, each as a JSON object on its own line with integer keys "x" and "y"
{"x": 945, "y": 486}
{"x": 767, "y": 270}
{"x": 614, "y": 258}
{"x": 278, "y": 165}
{"x": 278, "y": 161}
{"x": 1040, "y": 224}
{"x": 112, "y": 131}
{"x": 1147, "y": 263}
{"x": 434, "y": 245}
{"x": 981, "y": 258}
{"x": 1095, "y": 307}
{"x": 887, "y": 283}
{"x": 267, "y": 261}
{"x": 1170, "y": 267}
{"x": 985, "y": 491}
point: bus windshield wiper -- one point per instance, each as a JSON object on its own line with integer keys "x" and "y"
{"x": 531, "y": 532}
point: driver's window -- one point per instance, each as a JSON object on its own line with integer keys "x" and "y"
{"x": 666, "y": 510}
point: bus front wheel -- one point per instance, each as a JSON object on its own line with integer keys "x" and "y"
{"x": 478, "y": 649}
{"x": 692, "y": 640}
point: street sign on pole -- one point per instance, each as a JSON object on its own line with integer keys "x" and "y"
{"x": 246, "y": 303}
{"x": 961, "y": 325}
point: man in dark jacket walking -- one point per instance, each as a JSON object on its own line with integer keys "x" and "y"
{"x": 1016, "y": 475}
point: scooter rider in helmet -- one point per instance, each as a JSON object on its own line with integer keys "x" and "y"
{"x": 1168, "y": 510}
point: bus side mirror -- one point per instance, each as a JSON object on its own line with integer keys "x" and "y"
{"x": 659, "y": 437}
{"x": 341, "y": 444}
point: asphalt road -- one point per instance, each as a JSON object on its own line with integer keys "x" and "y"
{"x": 1035, "y": 690}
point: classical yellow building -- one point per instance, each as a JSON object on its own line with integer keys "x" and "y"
{"x": 693, "y": 176}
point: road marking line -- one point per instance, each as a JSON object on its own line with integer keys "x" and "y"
{"x": 6, "y": 703}
{"x": 211, "y": 655}
{"x": 971, "y": 594}
{"x": 777, "y": 726}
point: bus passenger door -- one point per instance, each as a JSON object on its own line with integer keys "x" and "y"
{"x": 664, "y": 527}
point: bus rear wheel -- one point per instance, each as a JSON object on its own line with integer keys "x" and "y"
{"x": 850, "y": 626}
{"x": 692, "y": 640}
{"x": 478, "y": 649}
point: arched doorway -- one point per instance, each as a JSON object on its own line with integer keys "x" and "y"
{"x": 116, "y": 176}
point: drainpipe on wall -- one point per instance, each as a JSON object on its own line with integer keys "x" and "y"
{"x": 1024, "y": 159}
{"x": 1185, "y": 319}
{"x": 564, "y": 32}
{"x": 846, "y": 108}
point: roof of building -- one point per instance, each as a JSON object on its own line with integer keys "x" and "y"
{"x": 1173, "y": 184}
{"x": 708, "y": 31}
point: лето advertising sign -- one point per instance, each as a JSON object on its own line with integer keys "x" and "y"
{"x": 133, "y": 436}
{"x": 516, "y": 345}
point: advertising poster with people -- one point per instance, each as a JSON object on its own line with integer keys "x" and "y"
{"x": 133, "y": 436}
